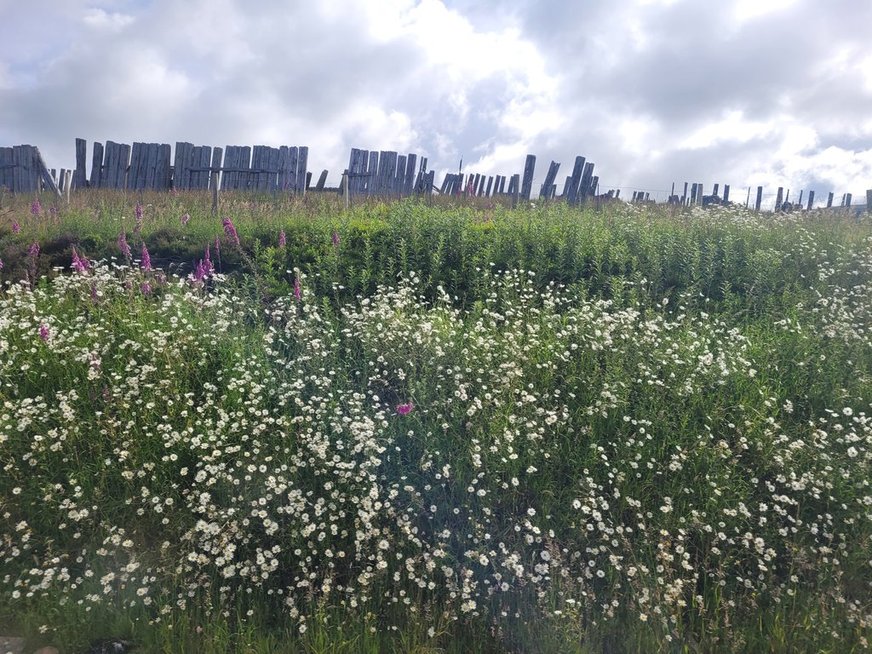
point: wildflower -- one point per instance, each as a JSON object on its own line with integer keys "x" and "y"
{"x": 145, "y": 288}
{"x": 1, "y": 264}
{"x": 124, "y": 246}
{"x": 79, "y": 264}
{"x": 298, "y": 289}
{"x": 33, "y": 250}
{"x": 405, "y": 409}
{"x": 146, "y": 258}
{"x": 138, "y": 211}
{"x": 44, "y": 333}
{"x": 283, "y": 241}
{"x": 335, "y": 239}
{"x": 185, "y": 218}
{"x": 16, "y": 228}
{"x": 230, "y": 231}
{"x": 35, "y": 208}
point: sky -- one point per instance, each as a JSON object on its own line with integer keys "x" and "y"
{"x": 654, "y": 92}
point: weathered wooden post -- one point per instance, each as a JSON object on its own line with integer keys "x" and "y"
{"x": 726, "y": 193}
{"x": 848, "y": 197}
{"x": 759, "y": 198}
{"x": 810, "y": 201}
{"x": 830, "y": 200}
{"x": 529, "y": 167}
{"x": 778, "y": 198}
{"x": 869, "y": 200}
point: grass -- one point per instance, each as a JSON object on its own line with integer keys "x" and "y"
{"x": 631, "y": 428}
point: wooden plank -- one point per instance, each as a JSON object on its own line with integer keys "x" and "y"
{"x": 830, "y": 200}
{"x": 6, "y": 169}
{"x": 322, "y": 181}
{"x": 204, "y": 166}
{"x": 245, "y": 180}
{"x": 353, "y": 171}
{"x": 26, "y": 180}
{"x": 759, "y": 198}
{"x": 778, "y": 198}
{"x": 716, "y": 189}
{"x": 411, "y": 163}
{"x": 545, "y": 191}
{"x": 594, "y": 186}
{"x": 80, "y": 176}
{"x": 192, "y": 162}
{"x": 229, "y": 152}
{"x": 293, "y": 158}
{"x": 282, "y": 168}
{"x": 137, "y": 179}
{"x": 16, "y": 169}
{"x": 162, "y": 171}
{"x": 363, "y": 168}
{"x": 96, "y": 165}
{"x": 490, "y": 184}
{"x": 372, "y": 173}
{"x": 123, "y": 163}
{"x": 399, "y": 180}
{"x": 181, "y": 165}
{"x": 529, "y": 169}
{"x": 726, "y": 193}
{"x": 151, "y": 165}
{"x": 302, "y": 169}
{"x": 272, "y": 166}
{"x": 47, "y": 178}
{"x": 848, "y": 197}
{"x": 215, "y": 168}
{"x": 868, "y": 200}
{"x": 810, "y": 201}
{"x": 584, "y": 184}
{"x": 574, "y": 180}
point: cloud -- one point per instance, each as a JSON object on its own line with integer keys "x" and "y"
{"x": 652, "y": 91}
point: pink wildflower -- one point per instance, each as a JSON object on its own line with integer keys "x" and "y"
{"x": 298, "y": 288}
{"x": 44, "y": 333}
{"x": 35, "y": 208}
{"x": 124, "y": 246}
{"x": 33, "y": 250}
{"x": 16, "y": 228}
{"x": 80, "y": 264}
{"x": 405, "y": 409}
{"x": 283, "y": 241}
{"x": 185, "y": 218}
{"x": 230, "y": 231}
{"x": 146, "y": 258}
{"x": 335, "y": 239}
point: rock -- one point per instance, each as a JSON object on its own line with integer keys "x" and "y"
{"x": 110, "y": 646}
{"x": 48, "y": 649}
{"x": 11, "y": 644}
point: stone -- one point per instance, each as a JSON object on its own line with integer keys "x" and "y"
{"x": 48, "y": 649}
{"x": 11, "y": 645}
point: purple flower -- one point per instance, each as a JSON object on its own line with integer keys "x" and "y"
{"x": 35, "y": 208}
{"x": 145, "y": 288}
{"x": 185, "y": 218}
{"x": 44, "y": 333}
{"x": 405, "y": 409}
{"x": 1, "y": 264}
{"x": 146, "y": 258}
{"x": 80, "y": 264}
{"x": 124, "y": 246}
{"x": 16, "y": 228}
{"x": 335, "y": 239}
{"x": 230, "y": 231}
{"x": 138, "y": 211}
{"x": 283, "y": 241}
{"x": 298, "y": 288}
{"x": 33, "y": 250}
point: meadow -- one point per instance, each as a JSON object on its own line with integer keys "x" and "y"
{"x": 443, "y": 426}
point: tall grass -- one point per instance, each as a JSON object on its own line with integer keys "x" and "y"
{"x": 467, "y": 428}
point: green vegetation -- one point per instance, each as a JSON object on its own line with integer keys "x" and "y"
{"x": 434, "y": 427}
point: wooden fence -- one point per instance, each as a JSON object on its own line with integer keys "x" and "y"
{"x": 22, "y": 170}
{"x": 155, "y": 166}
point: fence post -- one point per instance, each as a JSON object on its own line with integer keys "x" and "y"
{"x": 759, "y": 198}
{"x": 869, "y": 200}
